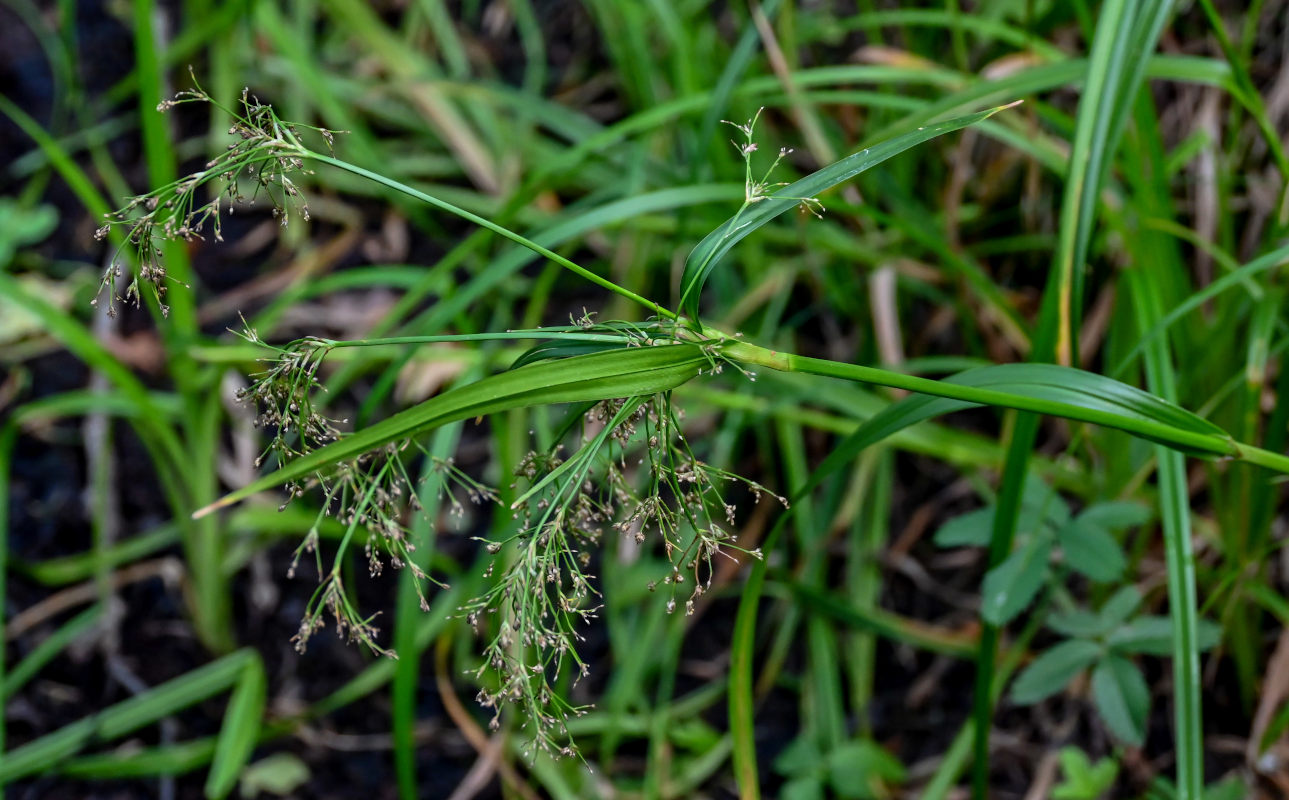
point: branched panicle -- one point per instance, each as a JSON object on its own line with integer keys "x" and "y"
{"x": 632, "y": 474}
{"x": 545, "y": 592}
{"x": 372, "y": 492}
{"x": 332, "y": 599}
{"x": 754, "y": 191}
{"x": 265, "y": 154}
{"x": 283, "y": 397}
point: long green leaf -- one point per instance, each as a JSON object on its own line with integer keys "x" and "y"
{"x": 1043, "y": 388}
{"x": 241, "y": 730}
{"x": 125, "y": 717}
{"x": 1158, "y": 267}
{"x": 45, "y": 652}
{"x": 704, "y": 257}
{"x": 597, "y": 376}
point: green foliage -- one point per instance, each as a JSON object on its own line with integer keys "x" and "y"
{"x": 280, "y": 774}
{"x": 1228, "y": 789}
{"x": 21, "y": 226}
{"x": 855, "y": 770}
{"x": 1083, "y": 780}
{"x": 1087, "y": 544}
{"x": 525, "y": 178}
{"x": 1104, "y": 643}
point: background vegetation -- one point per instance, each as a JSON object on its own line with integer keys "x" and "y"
{"x": 990, "y": 602}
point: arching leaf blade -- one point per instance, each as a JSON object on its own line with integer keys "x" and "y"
{"x": 591, "y": 377}
{"x": 1088, "y": 390}
{"x": 704, "y": 257}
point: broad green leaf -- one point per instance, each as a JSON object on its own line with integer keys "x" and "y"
{"x": 280, "y": 774}
{"x": 1083, "y": 781}
{"x": 1079, "y": 623}
{"x": 1118, "y": 515}
{"x": 1085, "y": 624}
{"x": 20, "y": 225}
{"x": 967, "y": 530}
{"x": 974, "y": 528}
{"x": 694, "y": 735}
{"x": 17, "y": 322}
{"x": 1042, "y": 502}
{"x": 240, "y": 731}
{"x": 1119, "y": 607}
{"x": 1154, "y": 636}
{"x": 705, "y": 256}
{"x": 807, "y": 787}
{"x": 862, "y": 770}
{"x": 1053, "y": 670}
{"x": 1229, "y": 789}
{"x": 1122, "y": 698}
{"x": 800, "y": 757}
{"x": 1091, "y": 550}
{"x": 596, "y": 376}
{"x": 1009, "y": 587}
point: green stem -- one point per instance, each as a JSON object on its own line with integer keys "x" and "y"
{"x": 747, "y": 353}
{"x": 443, "y": 205}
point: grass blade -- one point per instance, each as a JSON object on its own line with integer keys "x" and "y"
{"x": 704, "y": 257}
{"x": 1046, "y": 389}
{"x": 593, "y": 377}
{"x": 125, "y": 717}
{"x": 241, "y": 729}
{"x": 1118, "y": 49}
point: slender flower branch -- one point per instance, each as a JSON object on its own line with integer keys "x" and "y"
{"x": 490, "y": 225}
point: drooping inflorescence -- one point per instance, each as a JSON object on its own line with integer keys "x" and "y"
{"x": 261, "y": 161}
{"x": 631, "y": 473}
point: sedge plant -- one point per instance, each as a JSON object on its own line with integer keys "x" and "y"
{"x": 630, "y": 473}
{"x": 1212, "y": 349}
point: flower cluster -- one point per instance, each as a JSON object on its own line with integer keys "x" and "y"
{"x": 283, "y": 398}
{"x": 331, "y": 598}
{"x": 373, "y": 493}
{"x": 545, "y": 591}
{"x": 265, "y": 154}
{"x": 369, "y": 494}
{"x": 632, "y": 473}
{"x": 754, "y": 191}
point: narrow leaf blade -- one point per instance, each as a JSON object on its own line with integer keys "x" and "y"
{"x": 240, "y": 731}
{"x": 595, "y": 376}
{"x": 705, "y": 256}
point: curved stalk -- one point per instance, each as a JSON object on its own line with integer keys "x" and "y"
{"x": 1191, "y": 441}
{"x": 443, "y": 205}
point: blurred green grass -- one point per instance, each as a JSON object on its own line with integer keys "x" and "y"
{"x": 596, "y": 130}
